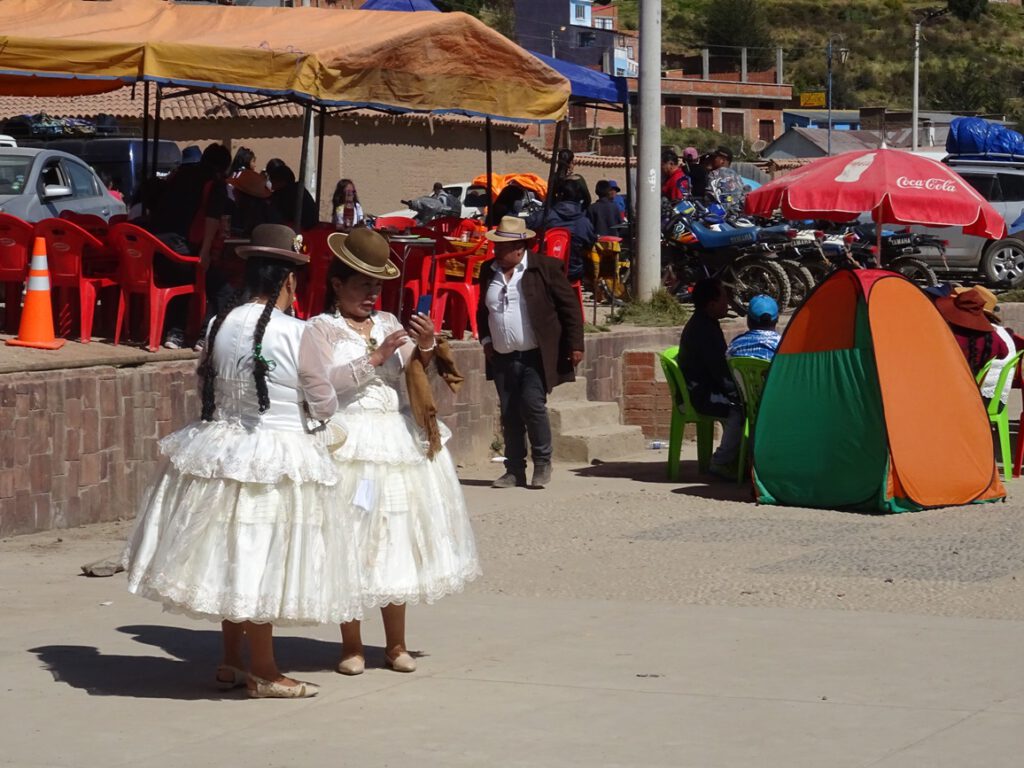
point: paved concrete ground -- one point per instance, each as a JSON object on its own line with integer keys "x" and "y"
{"x": 622, "y": 621}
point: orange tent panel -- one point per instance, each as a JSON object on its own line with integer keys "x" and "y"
{"x": 939, "y": 436}
{"x": 827, "y": 320}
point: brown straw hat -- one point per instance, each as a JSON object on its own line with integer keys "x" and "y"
{"x": 511, "y": 229}
{"x": 251, "y": 183}
{"x": 966, "y": 309}
{"x": 366, "y": 251}
{"x": 274, "y": 241}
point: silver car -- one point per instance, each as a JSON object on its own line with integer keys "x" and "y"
{"x": 38, "y": 184}
{"x": 996, "y": 263}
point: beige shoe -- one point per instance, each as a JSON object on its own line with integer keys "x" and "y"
{"x": 403, "y": 662}
{"x": 265, "y": 689}
{"x": 353, "y": 665}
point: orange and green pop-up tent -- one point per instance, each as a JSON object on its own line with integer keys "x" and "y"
{"x": 422, "y": 62}
{"x": 870, "y": 404}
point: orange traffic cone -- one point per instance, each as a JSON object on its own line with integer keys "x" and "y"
{"x": 36, "y": 329}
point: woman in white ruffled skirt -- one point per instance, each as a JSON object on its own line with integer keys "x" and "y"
{"x": 415, "y": 542}
{"x": 235, "y": 527}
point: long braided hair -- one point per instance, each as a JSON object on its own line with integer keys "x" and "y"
{"x": 263, "y": 277}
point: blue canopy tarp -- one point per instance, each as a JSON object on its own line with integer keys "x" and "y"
{"x": 588, "y": 84}
{"x": 398, "y": 5}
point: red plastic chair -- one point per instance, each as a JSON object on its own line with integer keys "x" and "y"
{"x": 464, "y": 288}
{"x": 400, "y": 223}
{"x": 15, "y": 253}
{"x": 558, "y": 244}
{"x": 69, "y": 250}
{"x": 136, "y": 249}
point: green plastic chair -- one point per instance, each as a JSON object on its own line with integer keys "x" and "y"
{"x": 997, "y": 412}
{"x": 750, "y": 374}
{"x": 683, "y": 413}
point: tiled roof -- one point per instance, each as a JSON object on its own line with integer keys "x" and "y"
{"x": 205, "y": 106}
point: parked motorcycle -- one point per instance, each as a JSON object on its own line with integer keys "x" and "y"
{"x": 698, "y": 243}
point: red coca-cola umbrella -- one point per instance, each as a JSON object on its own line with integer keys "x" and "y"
{"x": 896, "y": 187}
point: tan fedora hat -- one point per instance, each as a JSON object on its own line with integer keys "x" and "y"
{"x": 274, "y": 241}
{"x": 510, "y": 229}
{"x": 366, "y": 251}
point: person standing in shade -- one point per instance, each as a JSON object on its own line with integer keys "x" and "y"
{"x": 531, "y": 330}
{"x": 604, "y": 213}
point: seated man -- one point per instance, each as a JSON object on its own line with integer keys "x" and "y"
{"x": 762, "y": 339}
{"x": 702, "y": 351}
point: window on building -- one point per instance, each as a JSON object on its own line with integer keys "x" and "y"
{"x": 703, "y": 102}
{"x": 673, "y": 117}
{"x": 732, "y": 103}
{"x": 732, "y": 123}
{"x": 631, "y": 52}
{"x": 766, "y": 130}
{"x": 706, "y": 118}
{"x": 586, "y": 40}
{"x": 602, "y": 22}
{"x": 579, "y": 12}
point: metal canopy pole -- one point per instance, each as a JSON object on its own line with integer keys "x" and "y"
{"x": 627, "y": 140}
{"x": 321, "y": 130}
{"x": 300, "y": 187}
{"x": 156, "y": 129}
{"x": 490, "y": 167}
{"x": 145, "y": 131}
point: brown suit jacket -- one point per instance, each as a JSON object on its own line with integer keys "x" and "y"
{"x": 554, "y": 313}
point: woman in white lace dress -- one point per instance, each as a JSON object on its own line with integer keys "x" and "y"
{"x": 415, "y": 542}
{"x": 234, "y": 527}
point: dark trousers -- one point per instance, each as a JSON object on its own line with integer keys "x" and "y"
{"x": 519, "y": 379}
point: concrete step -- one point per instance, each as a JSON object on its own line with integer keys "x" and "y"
{"x": 570, "y": 392}
{"x": 605, "y": 443}
{"x": 572, "y": 415}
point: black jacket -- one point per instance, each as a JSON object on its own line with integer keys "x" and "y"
{"x": 569, "y": 215}
{"x": 703, "y": 364}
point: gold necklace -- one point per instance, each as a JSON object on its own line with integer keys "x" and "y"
{"x": 364, "y": 331}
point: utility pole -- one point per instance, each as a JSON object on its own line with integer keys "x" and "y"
{"x": 844, "y": 52}
{"x": 928, "y": 15}
{"x": 648, "y": 170}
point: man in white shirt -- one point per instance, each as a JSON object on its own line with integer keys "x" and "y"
{"x": 531, "y": 329}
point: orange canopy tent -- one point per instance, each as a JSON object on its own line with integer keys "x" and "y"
{"x": 423, "y": 62}
{"x": 499, "y": 181}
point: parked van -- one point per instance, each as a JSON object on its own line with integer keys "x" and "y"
{"x": 121, "y": 158}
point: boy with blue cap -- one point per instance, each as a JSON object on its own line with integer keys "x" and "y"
{"x": 762, "y": 339}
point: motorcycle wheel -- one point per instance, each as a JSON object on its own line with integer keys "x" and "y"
{"x": 748, "y": 277}
{"x": 801, "y": 281}
{"x": 915, "y": 270}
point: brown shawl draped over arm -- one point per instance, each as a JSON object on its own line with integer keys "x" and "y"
{"x": 421, "y": 398}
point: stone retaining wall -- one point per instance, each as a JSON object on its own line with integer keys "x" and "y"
{"x": 80, "y": 445}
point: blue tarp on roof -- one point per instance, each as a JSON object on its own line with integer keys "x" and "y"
{"x": 588, "y": 84}
{"x": 398, "y": 5}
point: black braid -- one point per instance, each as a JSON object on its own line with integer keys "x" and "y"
{"x": 261, "y": 366}
{"x": 206, "y": 368}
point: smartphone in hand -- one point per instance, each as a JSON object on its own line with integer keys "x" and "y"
{"x": 424, "y": 304}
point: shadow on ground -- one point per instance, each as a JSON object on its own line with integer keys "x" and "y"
{"x": 188, "y": 676}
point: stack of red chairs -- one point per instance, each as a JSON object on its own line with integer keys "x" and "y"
{"x": 69, "y": 251}
{"x": 16, "y": 238}
{"x": 311, "y": 293}
{"x": 461, "y": 285}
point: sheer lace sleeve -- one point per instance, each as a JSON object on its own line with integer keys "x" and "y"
{"x": 321, "y": 380}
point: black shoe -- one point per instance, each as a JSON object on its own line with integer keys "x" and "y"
{"x": 541, "y": 475}
{"x": 509, "y": 480}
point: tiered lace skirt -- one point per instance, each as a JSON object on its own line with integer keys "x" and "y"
{"x": 414, "y": 539}
{"x": 240, "y": 525}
